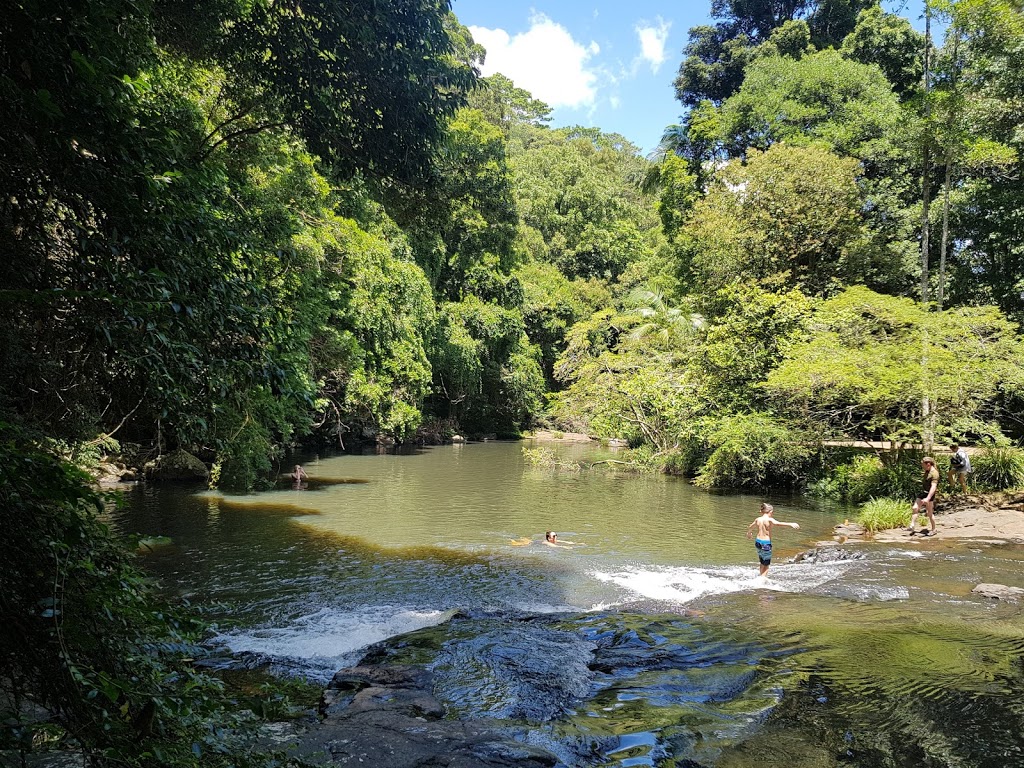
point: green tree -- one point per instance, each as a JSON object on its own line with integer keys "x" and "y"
{"x": 466, "y": 219}
{"x": 487, "y": 373}
{"x": 822, "y": 97}
{"x": 790, "y": 216}
{"x": 892, "y": 44}
{"x": 96, "y": 667}
{"x": 506, "y": 106}
{"x": 619, "y": 384}
{"x": 976, "y": 123}
{"x": 552, "y": 303}
{"x": 369, "y": 87}
{"x": 716, "y": 56}
{"x": 581, "y": 191}
{"x": 869, "y": 361}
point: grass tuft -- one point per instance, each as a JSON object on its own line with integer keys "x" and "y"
{"x": 884, "y": 513}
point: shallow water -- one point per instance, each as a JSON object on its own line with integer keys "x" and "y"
{"x": 649, "y": 639}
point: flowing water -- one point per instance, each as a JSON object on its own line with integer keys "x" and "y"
{"x": 649, "y": 640}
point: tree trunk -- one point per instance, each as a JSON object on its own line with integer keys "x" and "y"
{"x": 926, "y": 154}
{"x": 940, "y": 298}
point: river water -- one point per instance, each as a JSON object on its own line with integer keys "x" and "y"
{"x": 647, "y": 641}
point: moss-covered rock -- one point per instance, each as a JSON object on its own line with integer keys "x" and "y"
{"x": 177, "y": 465}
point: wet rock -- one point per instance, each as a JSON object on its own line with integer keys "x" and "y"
{"x": 999, "y": 592}
{"x": 850, "y": 530}
{"x": 153, "y": 543}
{"x": 516, "y": 671}
{"x": 388, "y": 717}
{"x": 826, "y": 555}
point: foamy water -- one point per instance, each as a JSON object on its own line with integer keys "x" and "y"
{"x": 684, "y": 584}
{"x": 328, "y": 639}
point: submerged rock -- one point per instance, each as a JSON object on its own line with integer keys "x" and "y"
{"x": 999, "y": 591}
{"x": 826, "y": 555}
{"x": 153, "y": 543}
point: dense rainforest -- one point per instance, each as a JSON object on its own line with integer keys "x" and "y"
{"x": 234, "y": 227}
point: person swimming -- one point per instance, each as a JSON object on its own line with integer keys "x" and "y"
{"x": 550, "y": 538}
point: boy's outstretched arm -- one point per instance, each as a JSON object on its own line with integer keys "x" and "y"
{"x": 750, "y": 529}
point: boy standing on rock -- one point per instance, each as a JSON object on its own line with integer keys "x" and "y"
{"x": 763, "y": 542}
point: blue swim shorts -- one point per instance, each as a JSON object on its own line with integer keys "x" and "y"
{"x": 764, "y": 551}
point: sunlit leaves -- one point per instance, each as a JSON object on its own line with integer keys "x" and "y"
{"x": 869, "y": 362}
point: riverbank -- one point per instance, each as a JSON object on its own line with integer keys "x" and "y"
{"x": 997, "y": 517}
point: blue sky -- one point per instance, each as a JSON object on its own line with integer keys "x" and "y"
{"x": 596, "y": 62}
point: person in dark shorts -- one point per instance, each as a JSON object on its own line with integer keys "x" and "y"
{"x": 926, "y": 496}
{"x": 763, "y": 540}
{"x": 959, "y": 467}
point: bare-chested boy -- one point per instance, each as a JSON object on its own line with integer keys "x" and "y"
{"x": 763, "y": 542}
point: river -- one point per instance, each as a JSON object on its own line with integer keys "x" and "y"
{"x": 648, "y": 641}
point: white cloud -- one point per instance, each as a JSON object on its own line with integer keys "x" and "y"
{"x": 545, "y": 60}
{"x": 652, "y": 42}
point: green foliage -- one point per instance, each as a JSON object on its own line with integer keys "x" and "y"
{"x": 884, "y": 513}
{"x": 891, "y": 43}
{"x": 717, "y": 55}
{"x": 547, "y": 458}
{"x": 367, "y": 86}
{"x": 790, "y": 215}
{"x": 678, "y": 193}
{"x": 871, "y": 360}
{"x": 745, "y": 332}
{"x": 620, "y": 384}
{"x": 93, "y": 663}
{"x": 998, "y": 467}
{"x": 867, "y": 476}
{"x": 506, "y": 106}
{"x": 466, "y": 218}
{"x": 486, "y": 370}
{"x": 753, "y": 450}
{"x": 552, "y": 303}
{"x": 823, "y": 97}
{"x": 580, "y": 189}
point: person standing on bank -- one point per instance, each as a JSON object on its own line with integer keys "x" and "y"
{"x": 959, "y": 466}
{"x": 763, "y": 542}
{"x": 926, "y": 497}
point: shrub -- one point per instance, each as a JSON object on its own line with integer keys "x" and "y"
{"x": 866, "y": 476}
{"x": 93, "y": 662}
{"x": 998, "y": 467}
{"x": 753, "y": 450}
{"x": 881, "y": 514}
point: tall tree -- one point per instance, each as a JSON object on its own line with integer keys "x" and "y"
{"x": 716, "y": 55}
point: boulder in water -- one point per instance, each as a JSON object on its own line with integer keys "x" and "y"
{"x": 999, "y": 592}
{"x": 177, "y": 465}
{"x": 826, "y": 555}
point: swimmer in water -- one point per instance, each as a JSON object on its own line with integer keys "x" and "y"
{"x": 550, "y": 538}
{"x": 297, "y": 477}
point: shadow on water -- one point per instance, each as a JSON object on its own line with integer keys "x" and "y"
{"x": 315, "y": 483}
